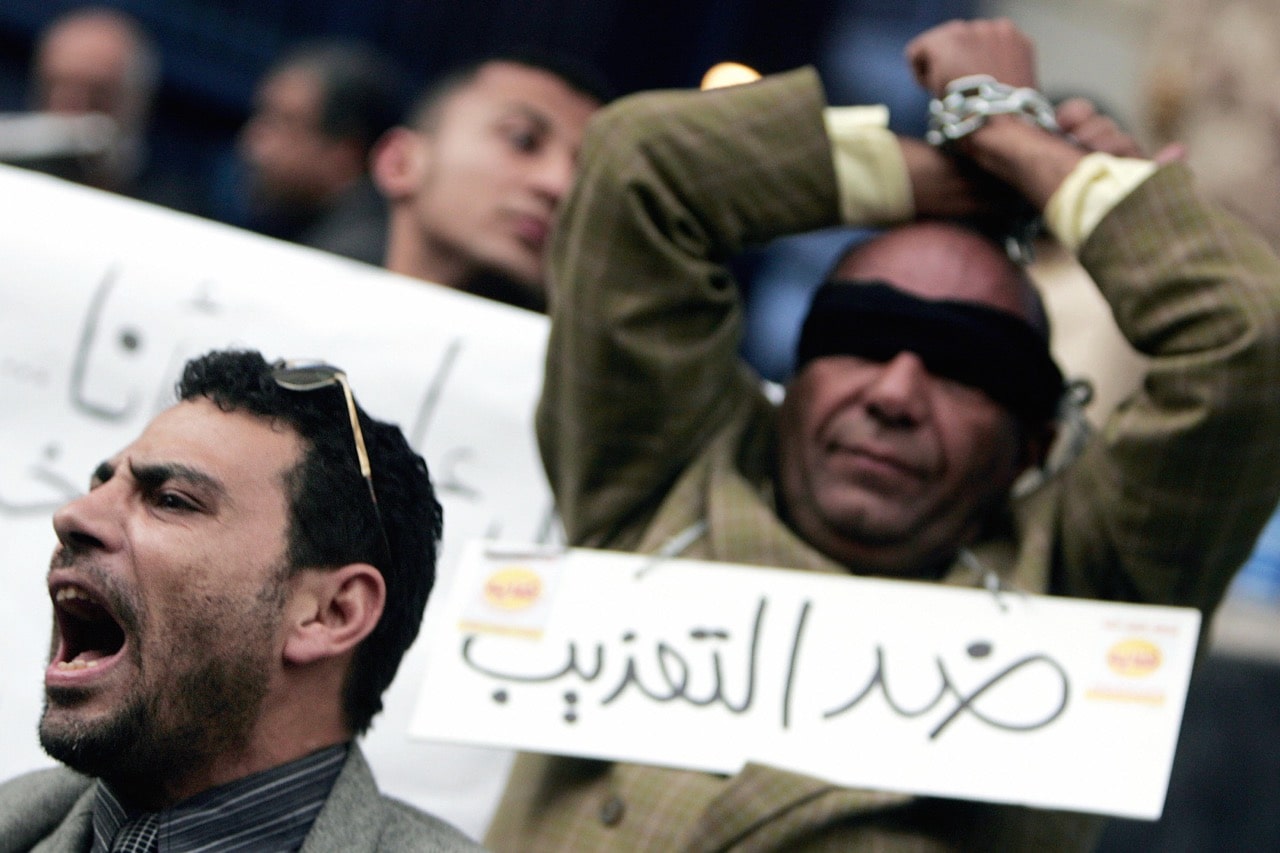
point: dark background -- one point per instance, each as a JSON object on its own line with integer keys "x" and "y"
{"x": 214, "y": 52}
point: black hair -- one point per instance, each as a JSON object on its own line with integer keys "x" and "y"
{"x": 332, "y": 521}
{"x": 361, "y": 91}
{"x": 582, "y": 78}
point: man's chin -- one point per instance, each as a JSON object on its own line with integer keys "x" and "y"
{"x": 877, "y": 541}
{"x": 93, "y": 744}
{"x": 869, "y": 521}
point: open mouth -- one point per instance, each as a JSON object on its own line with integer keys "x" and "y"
{"x": 90, "y": 633}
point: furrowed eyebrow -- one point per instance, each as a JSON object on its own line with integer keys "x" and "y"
{"x": 155, "y": 475}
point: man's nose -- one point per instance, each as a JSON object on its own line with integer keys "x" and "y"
{"x": 90, "y": 522}
{"x": 553, "y": 176}
{"x": 898, "y": 395}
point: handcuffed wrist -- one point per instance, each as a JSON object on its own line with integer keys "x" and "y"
{"x": 971, "y": 100}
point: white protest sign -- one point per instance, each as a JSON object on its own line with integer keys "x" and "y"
{"x": 102, "y": 299}
{"x": 909, "y": 687}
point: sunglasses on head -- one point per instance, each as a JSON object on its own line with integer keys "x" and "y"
{"x": 302, "y": 375}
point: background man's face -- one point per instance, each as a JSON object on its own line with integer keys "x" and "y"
{"x": 168, "y": 584}
{"x": 84, "y": 67}
{"x": 499, "y": 156}
{"x": 290, "y": 159}
{"x": 885, "y": 465}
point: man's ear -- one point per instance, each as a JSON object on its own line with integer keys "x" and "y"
{"x": 330, "y": 611}
{"x": 398, "y": 162}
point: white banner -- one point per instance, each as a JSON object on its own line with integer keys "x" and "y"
{"x": 910, "y": 687}
{"x": 102, "y": 299}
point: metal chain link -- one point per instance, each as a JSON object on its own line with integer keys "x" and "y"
{"x": 971, "y": 100}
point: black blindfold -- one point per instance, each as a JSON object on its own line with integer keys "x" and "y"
{"x": 989, "y": 349}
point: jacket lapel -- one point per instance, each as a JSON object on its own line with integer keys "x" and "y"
{"x": 349, "y": 821}
{"x": 75, "y": 833}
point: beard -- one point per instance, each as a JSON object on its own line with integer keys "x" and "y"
{"x": 193, "y": 701}
{"x": 155, "y": 734}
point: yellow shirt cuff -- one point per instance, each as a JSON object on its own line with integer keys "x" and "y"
{"x": 870, "y": 171}
{"x": 1098, "y": 183}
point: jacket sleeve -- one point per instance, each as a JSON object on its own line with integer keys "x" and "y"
{"x": 1165, "y": 506}
{"x": 642, "y": 363}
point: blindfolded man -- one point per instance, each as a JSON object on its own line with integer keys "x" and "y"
{"x": 925, "y": 389}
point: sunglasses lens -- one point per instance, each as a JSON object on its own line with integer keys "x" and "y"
{"x": 304, "y": 377}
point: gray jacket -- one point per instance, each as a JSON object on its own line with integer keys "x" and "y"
{"x": 49, "y": 811}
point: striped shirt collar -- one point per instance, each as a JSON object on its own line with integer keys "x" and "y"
{"x": 270, "y": 810}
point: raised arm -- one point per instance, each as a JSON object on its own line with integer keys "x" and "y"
{"x": 642, "y": 364}
{"x": 1186, "y": 473}
{"x": 1167, "y": 503}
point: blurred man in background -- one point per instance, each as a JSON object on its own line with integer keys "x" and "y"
{"x": 475, "y": 177}
{"x": 94, "y": 79}
{"x": 317, "y": 113}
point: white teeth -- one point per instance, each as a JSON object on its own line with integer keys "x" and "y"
{"x": 77, "y": 664}
{"x": 70, "y": 592}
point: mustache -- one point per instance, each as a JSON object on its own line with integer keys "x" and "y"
{"x": 63, "y": 558}
{"x": 121, "y": 600}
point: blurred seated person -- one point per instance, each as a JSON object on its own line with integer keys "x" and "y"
{"x": 306, "y": 147}
{"x": 94, "y": 79}
{"x": 476, "y": 175}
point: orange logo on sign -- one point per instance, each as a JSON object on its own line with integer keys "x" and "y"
{"x": 513, "y": 588}
{"x": 1134, "y": 658}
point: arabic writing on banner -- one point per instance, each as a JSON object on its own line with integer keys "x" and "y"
{"x": 899, "y": 686}
{"x": 102, "y": 300}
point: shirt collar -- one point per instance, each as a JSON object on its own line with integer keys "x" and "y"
{"x": 274, "y": 807}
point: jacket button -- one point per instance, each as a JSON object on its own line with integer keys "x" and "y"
{"x": 611, "y": 811}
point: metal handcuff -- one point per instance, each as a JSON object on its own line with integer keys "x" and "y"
{"x": 969, "y": 101}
